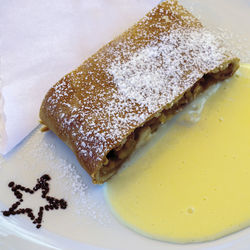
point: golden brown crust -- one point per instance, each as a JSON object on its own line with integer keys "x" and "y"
{"x": 97, "y": 108}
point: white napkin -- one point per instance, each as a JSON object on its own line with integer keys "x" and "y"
{"x": 43, "y": 40}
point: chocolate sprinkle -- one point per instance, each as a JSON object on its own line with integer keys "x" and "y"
{"x": 6, "y": 213}
{"x": 42, "y": 184}
{"x": 11, "y": 184}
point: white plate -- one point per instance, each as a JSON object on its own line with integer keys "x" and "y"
{"x": 87, "y": 222}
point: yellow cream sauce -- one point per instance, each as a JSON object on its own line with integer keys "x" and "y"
{"x": 193, "y": 183}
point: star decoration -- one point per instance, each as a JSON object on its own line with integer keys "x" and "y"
{"x": 52, "y": 202}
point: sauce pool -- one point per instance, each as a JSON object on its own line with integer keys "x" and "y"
{"x": 192, "y": 184}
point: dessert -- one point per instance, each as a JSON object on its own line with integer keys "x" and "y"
{"x": 118, "y": 97}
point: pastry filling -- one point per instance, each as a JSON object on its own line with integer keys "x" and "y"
{"x": 118, "y": 155}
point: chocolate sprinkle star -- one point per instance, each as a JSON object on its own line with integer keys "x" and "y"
{"x": 42, "y": 184}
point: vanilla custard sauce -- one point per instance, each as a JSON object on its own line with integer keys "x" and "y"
{"x": 192, "y": 184}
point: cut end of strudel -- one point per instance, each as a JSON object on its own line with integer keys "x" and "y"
{"x": 119, "y": 96}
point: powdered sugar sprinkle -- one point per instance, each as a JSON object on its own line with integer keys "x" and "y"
{"x": 150, "y": 76}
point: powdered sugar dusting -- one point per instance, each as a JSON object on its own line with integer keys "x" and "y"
{"x": 152, "y": 75}
{"x": 135, "y": 76}
{"x": 76, "y": 188}
{"x": 238, "y": 43}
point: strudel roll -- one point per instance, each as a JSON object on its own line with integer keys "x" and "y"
{"x": 120, "y": 95}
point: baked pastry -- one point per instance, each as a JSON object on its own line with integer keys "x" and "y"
{"x": 119, "y": 96}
